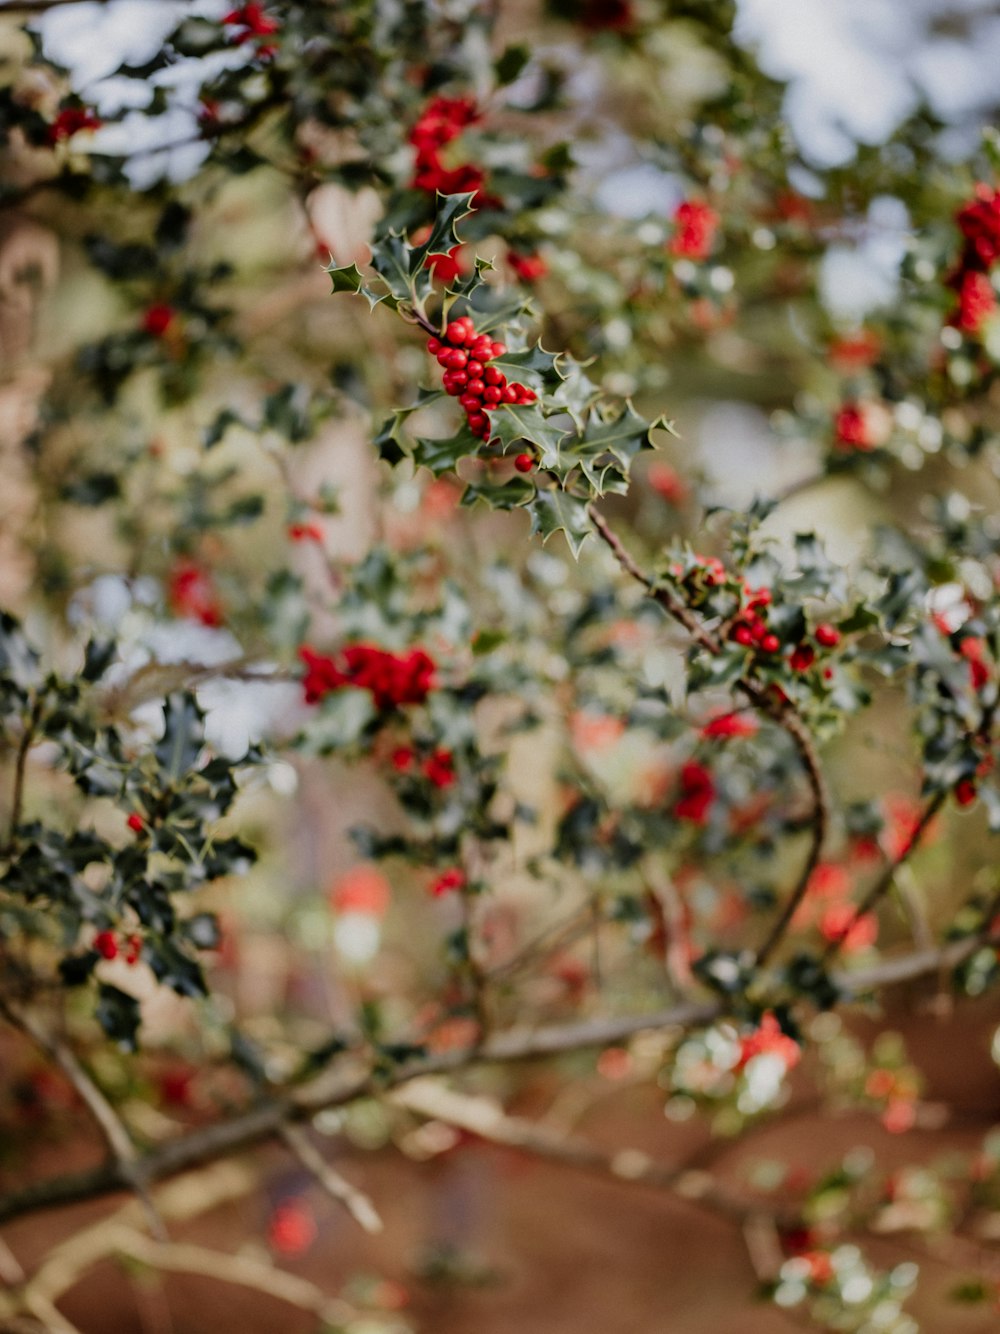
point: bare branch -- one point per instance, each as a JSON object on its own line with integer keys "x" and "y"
{"x": 337, "y": 1088}
{"x": 797, "y": 730}
{"x": 671, "y": 604}
{"x": 884, "y": 883}
{"x": 242, "y": 1270}
{"x": 109, "y": 1123}
{"x": 486, "y": 1119}
{"x": 355, "y": 1201}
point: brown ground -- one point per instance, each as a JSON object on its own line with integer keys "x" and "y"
{"x": 559, "y": 1252}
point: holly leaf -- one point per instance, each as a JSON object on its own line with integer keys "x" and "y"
{"x": 451, "y": 209}
{"x": 392, "y": 260}
{"x": 576, "y": 393}
{"x": 349, "y": 278}
{"x": 558, "y": 511}
{"x": 514, "y": 422}
{"x": 18, "y": 660}
{"x": 183, "y": 735}
{"x": 514, "y": 493}
{"x": 391, "y": 440}
{"x": 442, "y": 455}
{"x": 608, "y": 448}
{"x": 510, "y": 64}
{"x": 533, "y": 366}
{"x": 118, "y": 1014}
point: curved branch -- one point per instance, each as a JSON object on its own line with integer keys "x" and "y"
{"x": 782, "y": 712}
{"x": 883, "y": 884}
{"x": 796, "y": 729}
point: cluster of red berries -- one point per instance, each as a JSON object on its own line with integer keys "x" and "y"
{"x": 529, "y": 268}
{"x": 393, "y": 679}
{"x": 108, "y": 946}
{"x": 479, "y": 387}
{"x": 251, "y": 24}
{"x": 696, "y": 225}
{"x": 898, "y": 1091}
{"x": 973, "y": 650}
{"x": 769, "y": 1039}
{"x": 443, "y": 120}
{"x": 850, "y": 428}
{"x": 979, "y": 223}
{"x": 70, "y": 121}
{"x": 751, "y": 630}
{"x": 697, "y": 793}
{"x": 191, "y": 593}
{"x": 438, "y": 767}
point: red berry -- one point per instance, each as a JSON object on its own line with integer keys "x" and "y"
{"x": 770, "y": 643}
{"x": 479, "y": 423}
{"x": 476, "y": 387}
{"x": 803, "y": 657}
{"x": 509, "y": 394}
{"x": 492, "y": 376}
{"x": 498, "y": 349}
{"x": 742, "y": 635}
{"x": 471, "y": 402}
{"x": 457, "y": 359}
{"x": 434, "y": 346}
{"x": 106, "y": 944}
{"x": 524, "y": 462}
{"x": 133, "y": 949}
{"x": 491, "y": 394}
{"x": 481, "y": 348}
{"x": 965, "y": 792}
{"x": 457, "y": 332}
{"x": 136, "y": 823}
{"x": 827, "y": 635}
{"x": 158, "y": 319}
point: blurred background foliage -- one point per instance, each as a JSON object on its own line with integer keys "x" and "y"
{"x": 752, "y": 218}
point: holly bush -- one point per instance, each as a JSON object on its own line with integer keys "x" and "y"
{"x": 564, "y": 652}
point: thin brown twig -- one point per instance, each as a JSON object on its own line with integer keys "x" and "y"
{"x": 796, "y": 729}
{"x": 671, "y": 604}
{"x": 108, "y": 1122}
{"x": 355, "y": 1201}
{"x": 884, "y": 882}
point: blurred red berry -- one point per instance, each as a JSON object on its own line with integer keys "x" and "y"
{"x": 106, "y": 944}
